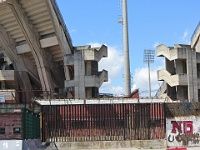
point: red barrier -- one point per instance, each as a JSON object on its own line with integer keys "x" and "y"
{"x": 177, "y": 148}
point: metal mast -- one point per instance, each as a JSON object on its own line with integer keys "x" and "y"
{"x": 149, "y": 58}
{"x": 127, "y": 80}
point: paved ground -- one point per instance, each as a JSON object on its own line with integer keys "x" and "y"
{"x": 52, "y": 147}
{"x": 194, "y": 148}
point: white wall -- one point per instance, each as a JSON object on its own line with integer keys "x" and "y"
{"x": 183, "y": 131}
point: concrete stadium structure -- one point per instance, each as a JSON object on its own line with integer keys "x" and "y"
{"x": 182, "y": 74}
{"x": 37, "y": 56}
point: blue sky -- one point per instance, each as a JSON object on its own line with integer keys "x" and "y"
{"x": 150, "y": 23}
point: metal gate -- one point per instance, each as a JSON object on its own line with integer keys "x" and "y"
{"x": 103, "y": 122}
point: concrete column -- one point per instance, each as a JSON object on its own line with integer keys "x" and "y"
{"x": 67, "y": 76}
{"x": 192, "y": 76}
{"x": 195, "y": 78}
{"x": 79, "y": 71}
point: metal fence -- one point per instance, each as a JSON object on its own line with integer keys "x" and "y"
{"x": 103, "y": 122}
{"x": 30, "y": 124}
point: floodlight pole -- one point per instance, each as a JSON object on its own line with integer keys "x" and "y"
{"x": 149, "y": 58}
{"x": 127, "y": 76}
{"x": 149, "y": 79}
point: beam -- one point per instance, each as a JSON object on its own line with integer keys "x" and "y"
{"x": 45, "y": 43}
{"x": 21, "y": 65}
{"x": 20, "y": 61}
{"x": 48, "y": 42}
{"x": 62, "y": 34}
{"x": 63, "y": 38}
{"x": 7, "y": 75}
{"x": 32, "y": 40}
{"x": 45, "y": 64}
{"x": 25, "y": 48}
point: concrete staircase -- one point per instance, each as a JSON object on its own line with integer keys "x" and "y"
{"x": 103, "y": 52}
{"x": 171, "y": 53}
{"x": 96, "y": 80}
{"x": 172, "y": 80}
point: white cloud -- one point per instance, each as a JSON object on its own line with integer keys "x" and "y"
{"x": 185, "y": 34}
{"x": 141, "y": 80}
{"x": 113, "y": 63}
{"x": 117, "y": 90}
{"x": 94, "y": 44}
{"x": 185, "y": 37}
{"x": 108, "y": 87}
{"x": 156, "y": 44}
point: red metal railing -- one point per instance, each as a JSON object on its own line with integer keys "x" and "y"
{"x": 103, "y": 122}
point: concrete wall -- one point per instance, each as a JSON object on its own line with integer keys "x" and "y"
{"x": 143, "y": 144}
{"x": 183, "y": 131}
{"x": 180, "y": 66}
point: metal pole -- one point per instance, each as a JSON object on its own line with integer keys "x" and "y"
{"x": 149, "y": 79}
{"x": 149, "y": 58}
{"x": 127, "y": 84}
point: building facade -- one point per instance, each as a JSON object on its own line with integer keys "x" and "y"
{"x": 84, "y": 78}
{"x": 181, "y": 75}
{"x": 37, "y": 57}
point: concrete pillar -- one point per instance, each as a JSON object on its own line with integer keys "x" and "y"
{"x": 79, "y": 71}
{"x": 67, "y": 75}
{"x": 192, "y": 76}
